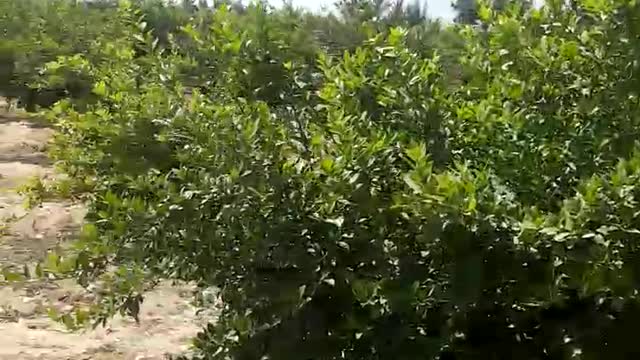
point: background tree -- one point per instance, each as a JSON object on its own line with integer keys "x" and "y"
{"x": 467, "y": 10}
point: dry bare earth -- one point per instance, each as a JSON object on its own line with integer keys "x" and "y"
{"x": 168, "y": 321}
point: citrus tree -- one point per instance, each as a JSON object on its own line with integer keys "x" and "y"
{"x": 359, "y": 206}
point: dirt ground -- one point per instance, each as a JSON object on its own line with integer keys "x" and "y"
{"x": 167, "y": 322}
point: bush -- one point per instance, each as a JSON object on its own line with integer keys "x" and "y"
{"x": 38, "y": 32}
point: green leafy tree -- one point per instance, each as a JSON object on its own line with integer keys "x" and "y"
{"x": 467, "y": 10}
{"x": 366, "y": 203}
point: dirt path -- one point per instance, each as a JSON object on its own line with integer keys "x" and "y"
{"x": 167, "y": 323}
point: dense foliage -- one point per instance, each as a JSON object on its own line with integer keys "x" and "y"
{"x": 357, "y": 187}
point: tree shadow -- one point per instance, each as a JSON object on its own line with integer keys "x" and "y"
{"x": 40, "y": 159}
{"x": 31, "y": 120}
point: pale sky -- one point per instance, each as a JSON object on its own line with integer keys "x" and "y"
{"x": 435, "y": 8}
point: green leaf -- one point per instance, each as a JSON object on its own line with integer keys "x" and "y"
{"x": 68, "y": 321}
{"x": 100, "y": 88}
{"x": 484, "y": 13}
{"x": 415, "y": 186}
{"x": 327, "y": 165}
{"x": 363, "y": 290}
{"x": 472, "y": 204}
{"x": 417, "y": 153}
{"x": 53, "y": 313}
{"x": 39, "y": 272}
{"x": 11, "y": 276}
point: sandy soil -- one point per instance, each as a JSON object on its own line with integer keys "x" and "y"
{"x": 168, "y": 321}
